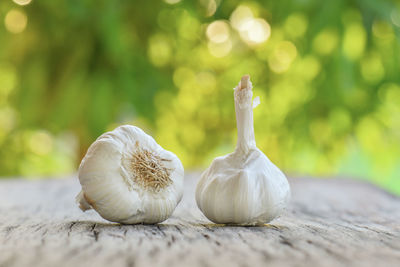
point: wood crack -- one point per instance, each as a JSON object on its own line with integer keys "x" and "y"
{"x": 95, "y": 232}
{"x": 70, "y": 228}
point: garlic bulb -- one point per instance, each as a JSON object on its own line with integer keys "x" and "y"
{"x": 128, "y": 178}
{"x": 243, "y": 187}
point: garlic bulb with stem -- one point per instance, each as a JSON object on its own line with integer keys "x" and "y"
{"x": 128, "y": 178}
{"x": 243, "y": 187}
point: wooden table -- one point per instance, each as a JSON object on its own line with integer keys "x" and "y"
{"x": 331, "y": 222}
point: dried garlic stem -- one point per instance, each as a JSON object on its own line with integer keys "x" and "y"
{"x": 244, "y": 115}
{"x": 244, "y": 82}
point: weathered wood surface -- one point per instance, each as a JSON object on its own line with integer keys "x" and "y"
{"x": 329, "y": 223}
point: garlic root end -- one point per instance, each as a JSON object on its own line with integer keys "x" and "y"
{"x": 81, "y": 200}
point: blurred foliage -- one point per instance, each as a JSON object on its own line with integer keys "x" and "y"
{"x": 327, "y": 73}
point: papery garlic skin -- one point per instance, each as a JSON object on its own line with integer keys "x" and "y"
{"x": 243, "y": 187}
{"x": 111, "y": 185}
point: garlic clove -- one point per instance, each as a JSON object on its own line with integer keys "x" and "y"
{"x": 128, "y": 178}
{"x": 243, "y": 187}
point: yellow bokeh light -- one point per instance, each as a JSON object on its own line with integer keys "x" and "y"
{"x": 354, "y": 41}
{"x": 41, "y": 143}
{"x": 8, "y": 79}
{"x": 326, "y": 42}
{"x": 15, "y": 21}
{"x": 183, "y": 75}
{"x": 240, "y": 16}
{"x": 255, "y": 31}
{"x": 259, "y": 31}
{"x": 218, "y": 31}
{"x": 186, "y": 102}
{"x": 308, "y": 67}
{"x": 389, "y": 92}
{"x": 188, "y": 26}
{"x": 22, "y": 2}
{"x": 252, "y": 30}
{"x": 207, "y": 81}
{"x": 159, "y": 50}
{"x": 296, "y": 25}
{"x": 282, "y": 57}
{"x": 372, "y": 68}
{"x": 8, "y": 118}
{"x": 220, "y": 49}
{"x": 369, "y": 134}
{"x": 210, "y": 7}
{"x": 172, "y": 2}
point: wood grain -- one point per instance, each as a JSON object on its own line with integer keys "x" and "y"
{"x": 330, "y": 222}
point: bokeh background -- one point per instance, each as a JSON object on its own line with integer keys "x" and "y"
{"x": 327, "y": 73}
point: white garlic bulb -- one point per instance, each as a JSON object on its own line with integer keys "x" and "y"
{"x": 243, "y": 187}
{"x": 128, "y": 178}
